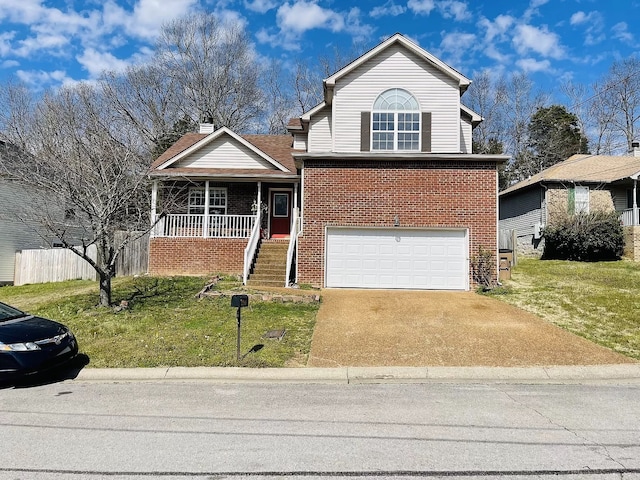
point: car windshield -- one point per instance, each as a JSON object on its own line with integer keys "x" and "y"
{"x": 9, "y": 313}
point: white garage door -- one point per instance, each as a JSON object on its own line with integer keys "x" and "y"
{"x": 397, "y": 258}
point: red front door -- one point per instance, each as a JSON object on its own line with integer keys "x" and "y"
{"x": 280, "y": 214}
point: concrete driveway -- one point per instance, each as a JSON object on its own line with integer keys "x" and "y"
{"x": 429, "y": 328}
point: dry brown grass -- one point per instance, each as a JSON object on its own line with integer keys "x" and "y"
{"x": 598, "y": 301}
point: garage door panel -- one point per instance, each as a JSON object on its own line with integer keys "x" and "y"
{"x": 393, "y": 258}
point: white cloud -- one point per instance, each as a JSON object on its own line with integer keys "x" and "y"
{"x": 390, "y": 8}
{"x": 40, "y": 78}
{"x": 594, "y": 26}
{"x": 458, "y": 41}
{"x": 533, "y": 9}
{"x": 96, "y": 62}
{"x": 358, "y": 30}
{"x": 455, "y": 45}
{"x": 421, "y": 7}
{"x": 5, "y": 42}
{"x": 260, "y": 6}
{"x": 532, "y": 65}
{"x": 528, "y": 38}
{"x": 9, "y": 64}
{"x": 621, "y": 32}
{"x": 147, "y": 17}
{"x": 305, "y": 15}
{"x": 52, "y": 43}
{"x": 454, "y": 9}
{"x": 498, "y": 28}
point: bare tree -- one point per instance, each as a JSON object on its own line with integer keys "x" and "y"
{"x": 617, "y": 99}
{"x": 214, "y": 69}
{"x": 87, "y": 173}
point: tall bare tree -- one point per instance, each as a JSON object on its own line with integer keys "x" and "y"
{"x": 617, "y": 99}
{"x": 214, "y": 68}
{"x": 88, "y": 175}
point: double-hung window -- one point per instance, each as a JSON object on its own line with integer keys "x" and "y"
{"x": 217, "y": 201}
{"x": 395, "y": 121}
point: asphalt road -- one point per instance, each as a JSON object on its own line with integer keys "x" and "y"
{"x": 179, "y": 430}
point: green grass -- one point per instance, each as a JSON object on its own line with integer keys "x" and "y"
{"x": 598, "y": 301}
{"x": 165, "y": 325}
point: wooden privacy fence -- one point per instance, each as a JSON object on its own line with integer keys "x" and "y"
{"x": 59, "y": 264}
{"x": 134, "y": 259}
{"x": 52, "y": 265}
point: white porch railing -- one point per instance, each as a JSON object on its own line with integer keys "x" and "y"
{"x": 293, "y": 240}
{"x": 252, "y": 246}
{"x": 628, "y": 218}
{"x": 205, "y": 226}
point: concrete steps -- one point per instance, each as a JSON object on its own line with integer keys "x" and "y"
{"x": 270, "y": 268}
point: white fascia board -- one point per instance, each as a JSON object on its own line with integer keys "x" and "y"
{"x": 306, "y": 117}
{"x": 211, "y": 137}
{"x": 463, "y": 82}
{"x": 475, "y": 118}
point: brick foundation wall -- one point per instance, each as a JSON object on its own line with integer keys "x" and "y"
{"x": 371, "y": 193}
{"x": 196, "y": 256}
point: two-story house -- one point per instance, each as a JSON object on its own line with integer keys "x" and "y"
{"x": 376, "y": 187}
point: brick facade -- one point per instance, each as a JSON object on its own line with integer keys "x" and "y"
{"x": 196, "y": 256}
{"x": 435, "y": 194}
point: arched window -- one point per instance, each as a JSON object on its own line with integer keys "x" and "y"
{"x": 395, "y": 121}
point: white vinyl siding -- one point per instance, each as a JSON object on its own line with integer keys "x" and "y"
{"x": 466, "y": 146}
{"x": 397, "y": 68}
{"x": 300, "y": 141}
{"x": 320, "y": 131}
{"x": 397, "y": 258}
{"x": 224, "y": 152}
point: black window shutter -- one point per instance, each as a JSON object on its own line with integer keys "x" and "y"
{"x": 365, "y": 125}
{"x": 426, "y": 131}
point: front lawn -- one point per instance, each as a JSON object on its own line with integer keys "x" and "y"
{"x": 166, "y": 325}
{"x": 599, "y": 301}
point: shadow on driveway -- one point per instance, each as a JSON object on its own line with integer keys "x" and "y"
{"x": 368, "y": 328}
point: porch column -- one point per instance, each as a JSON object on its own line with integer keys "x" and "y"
{"x": 154, "y": 203}
{"x": 635, "y": 202}
{"x": 259, "y": 211}
{"x": 205, "y": 221}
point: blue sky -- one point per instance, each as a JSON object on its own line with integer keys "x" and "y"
{"x": 51, "y": 42}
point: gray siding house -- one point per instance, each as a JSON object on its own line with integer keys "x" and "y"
{"x": 582, "y": 183}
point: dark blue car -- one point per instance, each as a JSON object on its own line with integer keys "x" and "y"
{"x": 30, "y": 344}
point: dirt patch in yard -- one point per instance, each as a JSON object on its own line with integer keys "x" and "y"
{"x": 419, "y": 328}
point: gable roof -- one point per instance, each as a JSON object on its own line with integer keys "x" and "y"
{"x": 275, "y": 149}
{"x": 584, "y": 168}
{"x": 396, "y": 39}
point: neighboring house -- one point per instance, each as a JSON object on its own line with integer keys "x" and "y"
{"x": 582, "y": 183}
{"x": 376, "y": 187}
{"x": 17, "y": 230}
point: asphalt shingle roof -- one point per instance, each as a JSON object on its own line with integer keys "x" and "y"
{"x": 584, "y": 168}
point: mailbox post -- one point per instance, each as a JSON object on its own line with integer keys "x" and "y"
{"x": 239, "y": 301}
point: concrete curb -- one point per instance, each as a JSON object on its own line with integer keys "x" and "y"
{"x": 623, "y": 373}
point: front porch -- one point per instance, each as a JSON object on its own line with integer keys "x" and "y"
{"x": 208, "y": 227}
